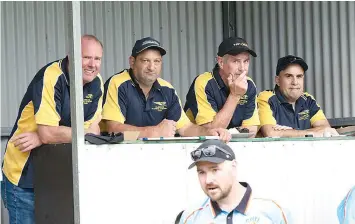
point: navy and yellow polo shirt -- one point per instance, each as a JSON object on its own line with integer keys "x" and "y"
{"x": 208, "y": 94}
{"x": 274, "y": 109}
{"x": 125, "y": 102}
{"x": 47, "y": 102}
{"x": 250, "y": 210}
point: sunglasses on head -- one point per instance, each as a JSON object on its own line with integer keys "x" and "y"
{"x": 208, "y": 152}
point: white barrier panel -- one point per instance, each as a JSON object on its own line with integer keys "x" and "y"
{"x": 150, "y": 183}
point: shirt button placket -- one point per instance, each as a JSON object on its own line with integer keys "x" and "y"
{"x": 230, "y": 218}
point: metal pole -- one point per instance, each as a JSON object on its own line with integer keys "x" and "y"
{"x": 76, "y": 98}
{"x": 1, "y": 209}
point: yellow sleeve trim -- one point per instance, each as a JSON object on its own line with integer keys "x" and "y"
{"x": 318, "y": 117}
{"x": 183, "y": 120}
{"x": 47, "y": 113}
{"x": 265, "y": 112}
{"x": 190, "y": 115}
{"x": 111, "y": 110}
{"x": 205, "y": 112}
{"x": 162, "y": 82}
{"x": 99, "y": 105}
{"x": 254, "y": 120}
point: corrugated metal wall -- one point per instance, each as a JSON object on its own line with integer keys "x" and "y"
{"x": 323, "y": 33}
{"x": 34, "y": 33}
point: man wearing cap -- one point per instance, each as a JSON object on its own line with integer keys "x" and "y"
{"x": 287, "y": 111}
{"x": 138, "y": 100}
{"x": 346, "y": 209}
{"x": 225, "y": 97}
{"x": 229, "y": 201}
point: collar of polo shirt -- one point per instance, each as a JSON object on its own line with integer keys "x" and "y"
{"x": 241, "y": 207}
{"x": 217, "y": 77}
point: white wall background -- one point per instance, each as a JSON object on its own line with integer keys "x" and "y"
{"x": 310, "y": 178}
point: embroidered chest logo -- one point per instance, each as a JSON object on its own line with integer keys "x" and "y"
{"x": 304, "y": 115}
{"x": 159, "y": 106}
{"x": 243, "y": 100}
{"x": 252, "y": 220}
{"x": 88, "y": 99}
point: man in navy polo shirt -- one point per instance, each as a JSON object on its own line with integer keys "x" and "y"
{"x": 225, "y": 97}
{"x": 138, "y": 100}
{"x": 228, "y": 201}
{"x": 287, "y": 111}
{"x": 44, "y": 117}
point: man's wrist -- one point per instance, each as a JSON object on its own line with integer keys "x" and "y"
{"x": 235, "y": 96}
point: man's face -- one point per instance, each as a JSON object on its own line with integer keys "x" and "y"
{"x": 91, "y": 59}
{"x": 290, "y": 82}
{"x": 234, "y": 64}
{"x": 147, "y": 66}
{"x": 216, "y": 180}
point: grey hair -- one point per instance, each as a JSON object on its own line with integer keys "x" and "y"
{"x": 92, "y": 37}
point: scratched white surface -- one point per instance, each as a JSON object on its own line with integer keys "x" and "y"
{"x": 136, "y": 183}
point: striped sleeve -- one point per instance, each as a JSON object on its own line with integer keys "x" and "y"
{"x": 251, "y": 112}
{"x": 96, "y": 104}
{"x": 175, "y": 111}
{"x": 47, "y": 97}
{"x": 206, "y": 107}
{"x": 265, "y": 111}
{"x": 116, "y": 99}
{"x": 315, "y": 110}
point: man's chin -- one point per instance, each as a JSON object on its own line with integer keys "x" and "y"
{"x": 88, "y": 78}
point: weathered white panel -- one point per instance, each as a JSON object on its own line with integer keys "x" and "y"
{"x": 310, "y": 178}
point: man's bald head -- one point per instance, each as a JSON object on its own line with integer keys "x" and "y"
{"x": 88, "y": 37}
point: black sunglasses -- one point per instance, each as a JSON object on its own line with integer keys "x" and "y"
{"x": 208, "y": 151}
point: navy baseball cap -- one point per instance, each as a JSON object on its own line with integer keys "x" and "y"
{"x": 145, "y": 43}
{"x": 234, "y": 46}
{"x": 214, "y": 151}
{"x": 283, "y": 62}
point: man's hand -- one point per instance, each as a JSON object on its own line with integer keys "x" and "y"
{"x": 281, "y": 128}
{"x": 238, "y": 85}
{"x": 324, "y": 132}
{"x": 26, "y": 141}
{"x": 94, "y": 127}
{"x": 223, "y": 134}
{"x": 166, "y": 128}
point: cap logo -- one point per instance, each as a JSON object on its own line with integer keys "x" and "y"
{"x": 150, "y": 42}
{"x": 241, "y": 44}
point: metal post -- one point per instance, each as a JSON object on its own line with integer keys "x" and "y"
{"x": 76, "y": 97}
{"x": 1, "y": 74}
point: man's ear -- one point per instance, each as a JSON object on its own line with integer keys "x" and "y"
{"x": 220, "y": 61}
{"x": 132, "y": 60}
{"x": 234, "y": 163}
{"x": 277, "y": 80}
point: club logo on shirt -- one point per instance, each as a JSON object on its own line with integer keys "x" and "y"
{"x": 88, "y": 99}
{"x": 159, "y": 106}
{"x": 243, "y": 100}
{"x": 304, "y": 115}
{"x": 252, "y": 220}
